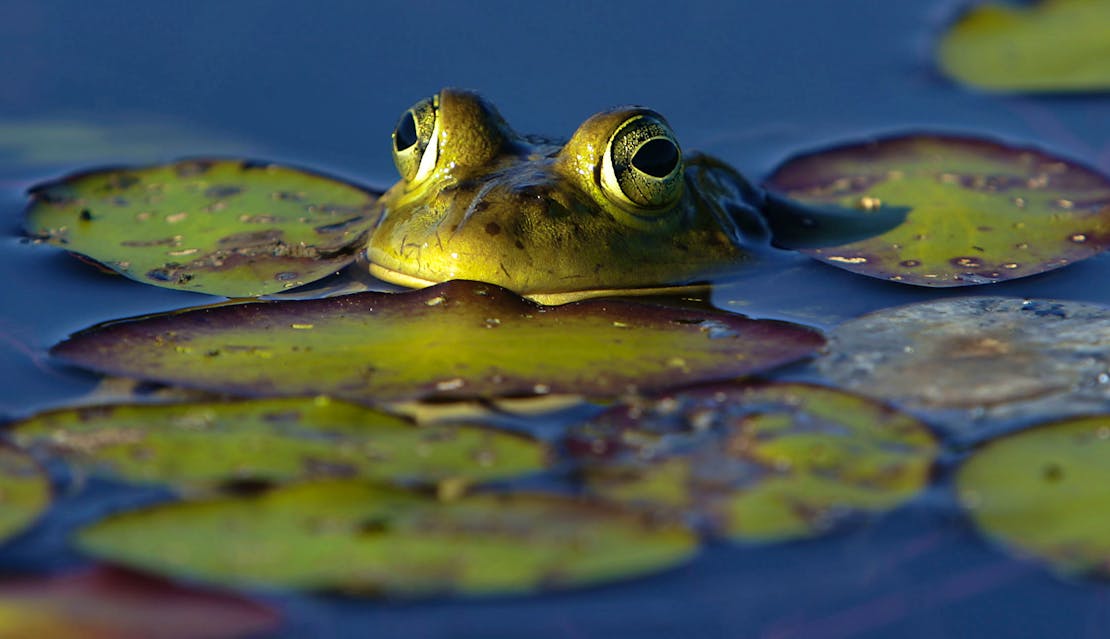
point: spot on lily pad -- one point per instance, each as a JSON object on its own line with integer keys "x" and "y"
{"x": 106, "y": 603}
{"x": 354, "y": 537}
{"x": 453, "y": 340}
{"x": 767, "y": 462}
{"x": 1042, "y": 492}
{"x": 975, "y": 352}
{"x": 224, "y": 227}
{"x": 24, "y": 491}
{"x": 274, "y": 440}
{"x": 980, "y": 211}
{"x": 1052, "y": 45}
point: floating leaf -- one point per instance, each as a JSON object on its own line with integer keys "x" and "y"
{"x": 458, "y": 339}
{"x": 980, "y": 352}
{"x": 104, "y": 603}
{"x": 1043, "y": 492}
{"x": 980, "y": 211}
{"x": 24, "y": 491}
{"x": 274, "y": 439}
{"x": 1053, "y": 45}
{"x": 225, "y": 227}
{"x": 763, "y": 463}
{"x": 356, "y": 537}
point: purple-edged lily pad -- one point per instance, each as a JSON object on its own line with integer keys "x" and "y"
{"x": 274, "y": 440}
{"x": 355, "y": 537}
{"x": 980, "y": 211}
{"x": 453, "y": 340}
{"x": 225, "y": 227}
{"x": 766, "y": 462}
{"x": 1043, "y": 492}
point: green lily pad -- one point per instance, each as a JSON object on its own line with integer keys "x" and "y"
{"x": 105, "y": 603}
{"x": 355, "y": 537}
{"x": 24, "y": 492}
{"x": 1053, "y": 45}
{"x": 768, "y": 462}
{"x": 980, "y": 211}
{"x": 276, "y": 440}
{"x": 224, "y": 227}
{"x": 453, "y": 340}
{"x": 999, "y": 356}
{"x": 1043, "y": 493}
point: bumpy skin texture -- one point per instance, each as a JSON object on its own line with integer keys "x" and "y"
{"x": 534, "y": 216}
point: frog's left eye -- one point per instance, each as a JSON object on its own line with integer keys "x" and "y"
{"x": 415, "y": 150}
{"x": 642, "y": 166}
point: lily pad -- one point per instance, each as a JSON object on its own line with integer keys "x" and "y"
{"x": 24, "y": 491}
{"x": 275, "y": 440}
{"x": 1042, "y": 492}
{"x": 980, "y": 211}
{"x": 105, "y": 603}
{"x": 453, "y": 340}
{"x": 767, "y": 462}
{"x": 355, "y": 537}
{"x": 225, "y": 227}
{"x": 979, "y": 353}
{"x": 1052, "y": 45}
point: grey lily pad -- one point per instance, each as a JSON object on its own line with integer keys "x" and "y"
{"x": 225, "y": 227}
{"x": 454, "y": 340}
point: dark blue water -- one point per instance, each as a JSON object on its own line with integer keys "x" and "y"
{"x": 322, "y": 84}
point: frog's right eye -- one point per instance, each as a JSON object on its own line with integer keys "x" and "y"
{"x": 415, "y": 147}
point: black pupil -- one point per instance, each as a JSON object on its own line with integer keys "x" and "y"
{"x": 405, "y": 134}
{"x": 656, "y": 157}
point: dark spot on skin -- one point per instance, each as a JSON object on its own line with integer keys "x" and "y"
{"x": 481, "y": 206}
{"x": 519, "y": 244}
{"x": 86, "y": 215}
{"x": 966, "y": 262}
{"x": 493, "y": 228}
{"x": 221, "y": 191}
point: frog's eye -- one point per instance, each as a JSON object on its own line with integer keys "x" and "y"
{"x": 414, "y": 140}
{"x": 642, "y": 165}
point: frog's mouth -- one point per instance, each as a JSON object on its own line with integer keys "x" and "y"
{"x": 549, "y": 298}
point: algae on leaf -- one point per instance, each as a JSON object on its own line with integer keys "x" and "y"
{"x": 224, "y": 227}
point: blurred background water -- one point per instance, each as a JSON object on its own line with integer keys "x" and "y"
{"x": 322, "y": 84}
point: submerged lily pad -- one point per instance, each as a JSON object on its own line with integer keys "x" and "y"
{"x": 356, "y": 537}
{"x": 452, "y": 340}
{"x": 1053, "y": 45}
{"x": 225, "y": 227}
{"x": 274, "y": 439}
{"x": 1043, "y": 492}
{"x": 761, "y": 463}
{"x": 976, "y": 352}
{"x": 980, "y": 211}
{"x": 105, "y": 603}
{"x": 24, "y": 491}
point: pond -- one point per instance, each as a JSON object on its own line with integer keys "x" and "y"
{"x": 752, "y": 83}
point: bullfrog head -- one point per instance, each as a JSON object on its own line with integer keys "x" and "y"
{"x": 616, "y": 209}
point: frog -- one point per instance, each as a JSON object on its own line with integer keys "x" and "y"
{"x": 616, "y": 209}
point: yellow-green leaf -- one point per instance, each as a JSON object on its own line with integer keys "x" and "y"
{"x": 224, "y": 227}
{"x": 1043, "y": 492}
{"x": 355, "y": 537}
{"x": 274, "y": 440}
{"x": 24, "y": 491}
{"x": 452, "y": 340}
{"x": 979, "y": 211}
{"x": 1053, "y": 45}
